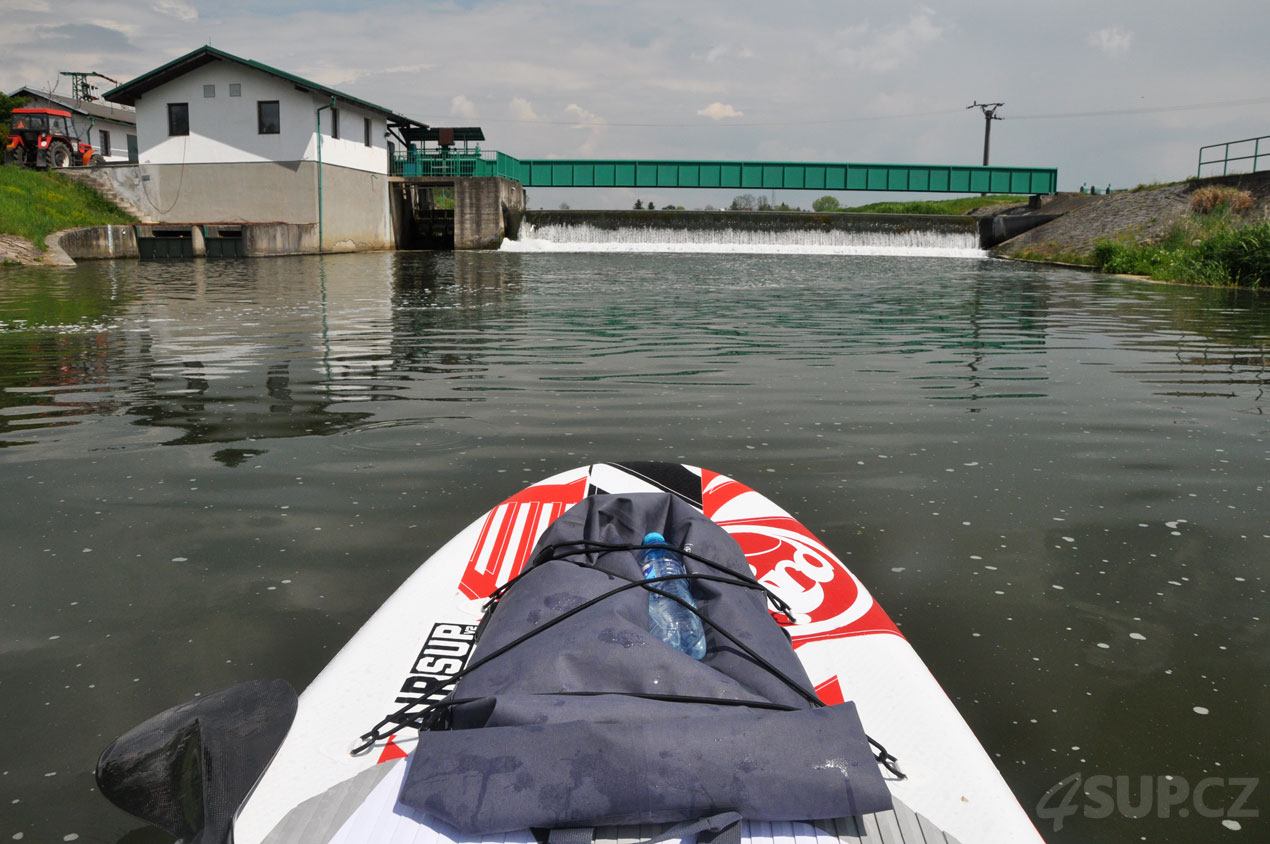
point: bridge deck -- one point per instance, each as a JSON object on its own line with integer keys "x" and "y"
{"x": 737, "y": 175}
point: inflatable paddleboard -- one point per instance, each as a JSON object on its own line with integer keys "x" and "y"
{"x": 315, "y": 789}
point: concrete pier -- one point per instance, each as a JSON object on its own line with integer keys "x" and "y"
{"x": 487, "y": 209}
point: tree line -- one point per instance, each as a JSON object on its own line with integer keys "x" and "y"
{"x": 749, "y": 202}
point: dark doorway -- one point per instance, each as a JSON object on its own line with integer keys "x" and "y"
{"x": 431, "y": 217}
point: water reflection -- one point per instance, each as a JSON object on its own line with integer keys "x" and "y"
{"x": 245, "y": 351}
{"x": 448, "y": 308}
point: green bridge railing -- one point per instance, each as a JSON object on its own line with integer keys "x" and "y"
{"x": 1226, "y": 158}
{"x": 755, "y": 175}
{"x": 459, "y": 165}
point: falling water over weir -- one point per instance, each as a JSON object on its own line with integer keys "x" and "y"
{"x": 747, "y": 232}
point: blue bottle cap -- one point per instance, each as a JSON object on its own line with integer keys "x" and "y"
{"x": 653, "y": 537}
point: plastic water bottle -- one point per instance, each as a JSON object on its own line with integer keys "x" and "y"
{"x": 673, "y": 623}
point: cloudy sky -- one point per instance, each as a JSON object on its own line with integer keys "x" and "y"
{"x": 1116, "y": 92}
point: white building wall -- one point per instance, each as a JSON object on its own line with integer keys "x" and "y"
{"x": 224, "y": 129}
{"x": 119, "y": 133}
{"x": 349, "y": 149}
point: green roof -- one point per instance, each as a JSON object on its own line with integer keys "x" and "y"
{"x": 129, "y": 92}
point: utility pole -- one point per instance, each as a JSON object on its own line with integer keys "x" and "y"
{"x": 989, "y": 115}
{"x": 80, "y": 89}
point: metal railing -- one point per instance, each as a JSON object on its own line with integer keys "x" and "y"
{"x": 450, "y": 164}
{"x": 1227, "y": 158}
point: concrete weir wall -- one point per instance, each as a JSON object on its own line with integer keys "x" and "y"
{"x": 753, "y": 221}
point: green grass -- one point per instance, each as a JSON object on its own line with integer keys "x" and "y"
{"x": 961, "y": 205}
{"x": 34, "y": 204}
{"x": 1213, "y": 249}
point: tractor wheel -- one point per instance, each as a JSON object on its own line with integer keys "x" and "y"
{"x": 15, "y": 157}
{"x": 96, "y": 160}
{"x": 59, "y": 154}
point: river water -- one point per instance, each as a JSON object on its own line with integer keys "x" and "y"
{"x": 1055, "y": 482}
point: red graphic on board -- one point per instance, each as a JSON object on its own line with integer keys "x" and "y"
{"x": 717, "y": 490}
{"x": 510, "y": 531}
{"x": 830, "y": 692}
{"x": 827, "y": 600}
{"x": 391, "y": 751}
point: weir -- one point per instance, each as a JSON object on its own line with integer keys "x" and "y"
{"x": 741, "y": 231}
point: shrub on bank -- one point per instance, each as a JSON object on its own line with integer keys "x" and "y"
{"x": 1207, "y": 199}
{"x": 1214, "y": 248}
{"x": 1238, "y": 256}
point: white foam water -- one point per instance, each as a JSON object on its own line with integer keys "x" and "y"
{"x": 588, "y": 238}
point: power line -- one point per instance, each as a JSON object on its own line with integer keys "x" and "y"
{"x": 1148, "y": 110}
{"x": 729, "y": 124}
{"x": 878, "y": 117}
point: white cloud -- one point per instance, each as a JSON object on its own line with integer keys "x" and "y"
{"x": 1115, "y": 41}
{"x": 336, "y": 77}
{"x": 461, "y": 106}
{"x": 588, "y": 120}
{"x": 521, "y": 109}
{"x": 179, "y": 9}
{"x": 720, "y": 51}
{"x": 719, "y": 111}
{"x": 884, "y": 49}
{"x": 582, "y": 116}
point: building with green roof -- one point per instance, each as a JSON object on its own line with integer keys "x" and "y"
{"x": 223, "y": 139}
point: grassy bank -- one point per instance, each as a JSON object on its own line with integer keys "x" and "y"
{"x": 34, "y": 204}
{"x": 1217, "y": 249}
{"x": 1213, "y": 244}
{"x": 959, "y": 206}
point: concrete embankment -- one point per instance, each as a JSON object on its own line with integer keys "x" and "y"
{"x": 1146, "y": 215}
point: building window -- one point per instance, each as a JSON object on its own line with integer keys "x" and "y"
{"x": 178, "y": 118}
{"x": 335, "y": 123}
{"x": 105, "y": 142}
{"x": 209, "y": 91}
{"x": 235, "y": 89}
{"x": 268, "y": 118}
{"x": 366, "y": 130}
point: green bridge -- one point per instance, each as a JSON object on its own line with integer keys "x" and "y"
{"x": 737, "y": 175}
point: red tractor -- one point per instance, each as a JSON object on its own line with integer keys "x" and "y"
{"x": 43, "y": 138}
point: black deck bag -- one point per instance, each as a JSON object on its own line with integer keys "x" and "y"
{"x": 591, "y": 720}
